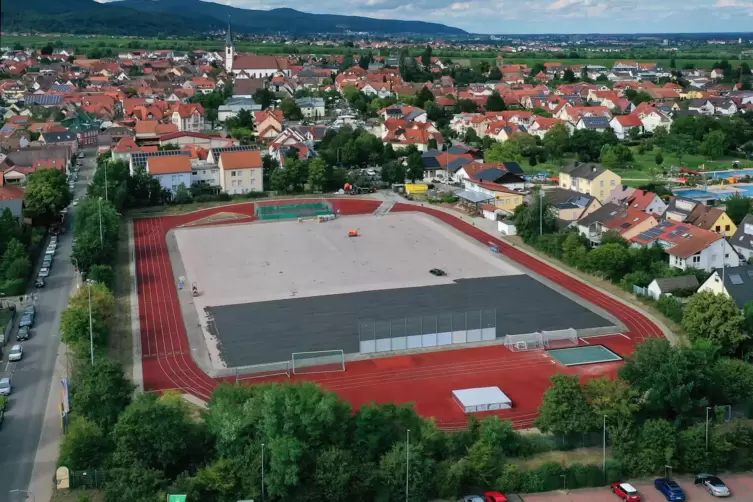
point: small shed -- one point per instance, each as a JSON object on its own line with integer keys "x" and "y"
{"x": 481, "y": 399}
{"x": 667, "y": 285}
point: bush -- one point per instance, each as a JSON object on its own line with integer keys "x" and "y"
{"x": 13, "y": 287}
{"x": 671, "y": 307}
{"x": 3, "y": 403}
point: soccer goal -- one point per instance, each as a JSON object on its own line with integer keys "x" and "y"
{"x": 263, "y": 371}
{"x": 560, "y": 338}
{"x": 525, "y": 341}
{"x": 320, "y": 361}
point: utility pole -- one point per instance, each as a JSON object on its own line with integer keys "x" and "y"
{"x": 105, "y": 167}
{"x": 91, "y": 329}
{"x": 708, "y": 408}
{"x": 407, "y": 462}
{"x": 604, "y": 448}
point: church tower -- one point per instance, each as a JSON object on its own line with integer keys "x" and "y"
{"x": 229, "y": 49}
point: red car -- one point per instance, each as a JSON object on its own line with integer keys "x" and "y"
{"x": 494, "y": 497}
{"x": 626, "y": 492}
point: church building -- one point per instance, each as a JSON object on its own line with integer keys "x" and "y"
{"x": 252, "y": 65}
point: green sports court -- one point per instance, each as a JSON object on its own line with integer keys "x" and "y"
{"x": 584, "y": 354}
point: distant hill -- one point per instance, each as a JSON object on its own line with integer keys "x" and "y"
{"x": 190, "y": 16}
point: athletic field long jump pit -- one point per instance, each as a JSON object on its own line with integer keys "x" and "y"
{"x": 271, "y": 289}
{"x": 584, "y": 354}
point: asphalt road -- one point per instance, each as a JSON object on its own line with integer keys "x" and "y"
{"x": 31, "y": 377}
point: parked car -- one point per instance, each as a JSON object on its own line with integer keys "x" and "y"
{"x": 51, "y": 250}
{"x": 670, "y": 489}
{"x": 626, "y": 492}
{"x": 494, "y": 497}
{"x": 27, "y": 320}
{"x": 44, "y": 271}
{"x": 39, "y": 283}
{"x": 54, "y": 240}
{"x": 75, "y": 202}
{"x": 16, "y": 353}
{"x": 473, "y": 498}
{"x": 80, "y": 155}
{"x": 5, "y": 387}
{"x": 24, "y": 334}
{"x": 30, "y": 309}
{"x": 713, "y": 484}
{"x": 47, "y": 262}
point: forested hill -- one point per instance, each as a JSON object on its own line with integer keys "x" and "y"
{"x": 189, "y": 17}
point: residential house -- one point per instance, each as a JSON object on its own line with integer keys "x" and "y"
{"x": 241, "y": 172}
{"x": 701, "y": 106}
{"x": 622, "y": 125}
{"x": 616, "y": 219}
{"x": 689, "y": 246}
{"x": 735, "y": 282}
{"x": 742, "y": 241}
{"x": 666, "y": 286}
{"x": 652, "y": 117}
{"x": 188, "y": 117}
{"x": 507, "y": 174}
{"x": 311, "y": 108}
{"x": 151, "y": 130}
{"x": 569, "y": 205}
{"x": 171, "y": 171}
{"x": 499, "y": 197}
{"x": 68, "y": 139}
{"x": 268, "y": 124}
{"x": 123, "y": 150}
{"x": 233, "y": 106}
{"x": 646, "y": 201}
{"x": 589, "y": 178}
{"x": 14, "y": 137}
{"x": 700, "y": 215}
{"x": 12, "y": 198}
{"x": 599, "y": 124}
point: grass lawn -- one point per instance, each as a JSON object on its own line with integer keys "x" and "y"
{"x": 73, "y": 495}
{"x": 591, "y": 456}
{"x": 646, "y": 161}
{"x": 121, "y": 340}
{"x": 5, "y": 316}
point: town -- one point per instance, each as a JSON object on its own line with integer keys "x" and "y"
{"x": 375, "y": 271}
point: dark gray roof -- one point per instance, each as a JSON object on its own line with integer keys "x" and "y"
{"x": 602, "y": 214}
{"x": 558, "y": 196}
{"x": 595, "y": 122}
{"x": 431, "y": 163}
{"x": 456, "y": 164}
{"x": 738, "y": 281}
{"x": 669, "y": 284}
{"x": 58, "y": 137}
{"x": 743, "y": 239}
{"x": 585, "y": 170}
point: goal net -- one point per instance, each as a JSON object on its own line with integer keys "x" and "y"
{"x": 526, "y": 341}
{"x": 320, "y": 361}
{"x": 560, "y": 338}
{"x": 263, "y": 371}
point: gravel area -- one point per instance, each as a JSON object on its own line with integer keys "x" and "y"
{"x": 273, "y": 261}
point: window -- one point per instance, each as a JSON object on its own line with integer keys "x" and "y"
{"x": 726, "y": 228}
{"x": 235, "y": 183}
{"x": 613, "y": 182}
{"x": 601, "y": 183}
{"x": 697, "y": 259}
{"x": 232, "y": 173}
{"x": 718, "y": 228}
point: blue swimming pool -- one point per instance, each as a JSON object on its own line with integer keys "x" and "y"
{"x": 738, "y": 173}
{"x": 731, "y": 191}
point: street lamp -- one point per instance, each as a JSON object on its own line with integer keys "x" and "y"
{"x": 541, "y": 210}
{"x": 407, "y": 462}
{"x": 262, "y": 472}
{"x": 76, "y": 270}
{"x": 101, "y": 238}
{"x": 25, "y": 492}
{"x": 91, "y": 329}
{"x": 604, "y": 448}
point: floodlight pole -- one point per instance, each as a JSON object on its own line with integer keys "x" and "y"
{"x": 541, "y": 211}
{"x": 708, "y": 408}
{"x": 407, "y": 462}
{"x": 604, "y": 447}
{"x": 91, "y": 330}
{"x": 262, "y": 472}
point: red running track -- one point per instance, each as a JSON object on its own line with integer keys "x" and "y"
{"x": 425, "y": 379}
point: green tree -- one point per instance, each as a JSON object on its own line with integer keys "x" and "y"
{"x": 290, "y": 109}
{"x": 737, "y": 208}
{"x": 103, "y": 274}
{"x": 538, "y": 217}
{"x": 509, "y": 151}
{"x": 660, "y": 135}
{"x": 85, "y": 445}
{"x": 714, "y": 144}
{"x": 495, "y": 103}
{"x": 415, "y": 171}
{"x": 574, "y": 250}
{"x": 616, "y": 156}
{"x": 659, "y": 159}
{"x": 46, "y": 194}
{"x": 183, "y": 195}
{"x": 679, "y": 145}
{"x": 565, "y": 409}
{"x": 557, "y": 140}
{"x": 426, "y": 57}
{"x": 393, "y": 172}
{"x": 100, "y": 392}
{"x": 134, "y": 484}
{"x": 157, "y": 433}
{"x": 614, "y": 399}
{"x": 79, "y": 333}
{"x": 611, "y": 260}
{"x": 716, "y": 318}
{"x": 733, "y": 381}
{"x": 264, "y": 97}
{"x": 92, "y": 246}
{"x": 657, "y": 447}
{"x": 673, "y": 381}
{"x": 392, "y": 474}
{"x": 318, "y": 176}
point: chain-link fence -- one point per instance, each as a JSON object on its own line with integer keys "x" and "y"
{"x": 448, "y": 328}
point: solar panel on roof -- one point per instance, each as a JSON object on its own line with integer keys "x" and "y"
{"x": 239, "y": 148}
{"x": 665, "y": 224}
{"x": 141, "y": 158}
{"x": 735, "y": 279}
{"x": 682, "y": 228}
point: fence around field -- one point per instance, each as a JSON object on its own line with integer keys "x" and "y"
{"x": 291, "y": 211}
{"x": 406, "y": 333}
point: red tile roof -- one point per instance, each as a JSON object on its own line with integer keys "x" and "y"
{"x": 169, "y": 164}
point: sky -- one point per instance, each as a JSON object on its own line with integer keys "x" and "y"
{"x": 542, "y": 16}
